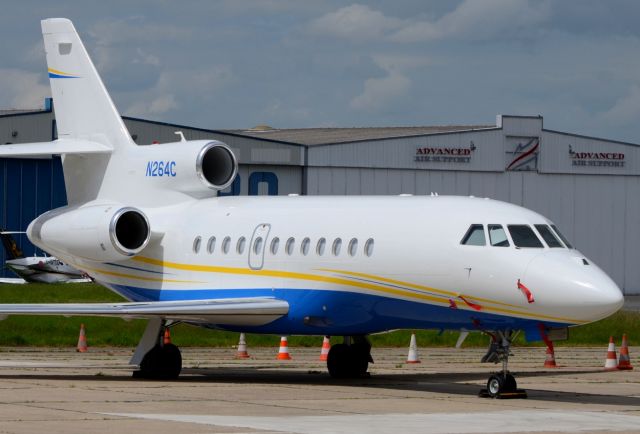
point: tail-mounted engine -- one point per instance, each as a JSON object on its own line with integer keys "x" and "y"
{"x": 100, "y": 232}
{"x": 198, "y": 168}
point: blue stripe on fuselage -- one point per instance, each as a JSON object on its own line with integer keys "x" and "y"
{"x": 323, "y": 312}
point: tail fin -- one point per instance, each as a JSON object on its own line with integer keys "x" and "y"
{"x": 82, "y": 105}
{"x": 10, "y": 246}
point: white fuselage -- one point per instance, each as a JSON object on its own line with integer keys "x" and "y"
{"x": 409, "y": 268}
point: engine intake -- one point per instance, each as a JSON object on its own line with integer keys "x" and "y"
{"x": 129, "y": 231}
{"x": 216, "y": 166}
{"x": 97, "y": 232}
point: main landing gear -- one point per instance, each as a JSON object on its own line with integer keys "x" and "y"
{"x": 501, "y": 384}
{"x": 350, "y": 359}
{"x": 157, "y": 360}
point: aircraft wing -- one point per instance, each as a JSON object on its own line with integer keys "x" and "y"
{"x": 12, "y": 280}
{"x": 248, "y": 311}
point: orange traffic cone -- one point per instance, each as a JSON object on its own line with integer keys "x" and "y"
{"x": 242, "y": 348}
{"x": 611, "y": 363}
{"x": 625, "y": 361}
{"x": 550, "y": 360}
{"x": 167, "y": 337}
{"x": 326, "y": 346}
{"x": 283, "y": 353}
{"x": 413, "y": 350}
{"x": 82, "y": 341}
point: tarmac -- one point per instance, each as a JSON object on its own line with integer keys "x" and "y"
{"x": 59, "y": 390}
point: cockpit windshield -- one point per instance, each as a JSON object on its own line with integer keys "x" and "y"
{"x": 523, "y": 236}
{"x": 548, "y": 236}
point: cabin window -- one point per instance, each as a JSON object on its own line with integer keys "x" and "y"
{"x": 562, "y": 237}
{"x": 226, "y": 243}
{"x": 196, "y": 244}
{"x": 289, "y": 246}
{"x": 304, "y": 247}
{"x": 353, "y": 246}
{"x": 337, "y": 245}
{"x": 322, "y": 243}
{"x": 523, "y": 236}
{"x": 242, "y": 242}
{"x": 548, "y": 236}
{"x": 368, "y": 247}
{"x": 211, "y": 245}
{"x": 497, "y": 236}
{"x": 257, "y": 245}
{"x": 474, "y": 236}
{"x": 275, "y": 243}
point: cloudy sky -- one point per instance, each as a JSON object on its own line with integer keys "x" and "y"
{"x": 237, "y": 64}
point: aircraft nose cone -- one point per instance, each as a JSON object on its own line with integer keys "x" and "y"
{"x": 573, "y": 286}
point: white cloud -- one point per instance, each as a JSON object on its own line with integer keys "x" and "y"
{"x": 626, "y": 110}
{"x": 157, "y": 106}
{"x": 378, "y": 92}
{"x": 23, "y": 89}
{"x": 356, "y": 22}
{"x": 475, "y": 20}
{"x": 479, "y": 20}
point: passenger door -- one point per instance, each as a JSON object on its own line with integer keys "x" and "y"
{"x": 258, "y": 245}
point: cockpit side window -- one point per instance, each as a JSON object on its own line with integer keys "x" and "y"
{"x": 497, "y": 236}
{"x": 548, "y": 236}
{"x": 562, "y": 237}
{"x": 474, "y": 236}
{"x": 523, "y": 236}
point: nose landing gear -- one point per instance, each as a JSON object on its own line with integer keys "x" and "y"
{"x": 501, "y": 384}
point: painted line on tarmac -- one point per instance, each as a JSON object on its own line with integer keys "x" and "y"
{"x": 433, "y": 423}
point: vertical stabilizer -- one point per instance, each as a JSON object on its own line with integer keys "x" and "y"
{"x": 10, "y": 246}
{"x": 82, "y": 105}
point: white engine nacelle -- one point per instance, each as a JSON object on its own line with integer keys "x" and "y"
{"x": 193, "y": 167}
{"x": 98, "y": 232}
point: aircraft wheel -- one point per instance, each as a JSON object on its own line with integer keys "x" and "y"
{"x": 338, "y": 361}
{"x": 161, "y": 363}
{"x": 496, "y": 385}
{"x": 348, "y": 361}
{"x": 510, "y": 384}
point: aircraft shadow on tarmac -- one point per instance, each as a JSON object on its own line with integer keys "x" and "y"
{"x": 445, "y": 383}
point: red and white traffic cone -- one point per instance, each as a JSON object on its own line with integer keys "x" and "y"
{"x": 625, "y": 360}
{"x": 283, "y": 352}
{"x": 166, "y": 339}
{"x": 326, "y": 346}
{"x": 413, "y": 350}
{"x": 82, "y": 340}
{"x": 550, "y": 360}
{"x": 242, "y": 348}
{"x": 611, "y": 363}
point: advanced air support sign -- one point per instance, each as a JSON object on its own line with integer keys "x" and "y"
{"x": 444, "y": 155}
{"x": 596, "y": 159}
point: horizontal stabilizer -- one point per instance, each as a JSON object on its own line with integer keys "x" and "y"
{"x": 57, "y": 147}
{"x": 237, "y": 311}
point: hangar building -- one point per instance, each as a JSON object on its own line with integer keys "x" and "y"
{"x": 590, "y": 187}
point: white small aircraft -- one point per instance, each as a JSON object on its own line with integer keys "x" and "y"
{"x": 145, "y": 222}
{"x": 37, "y": 269}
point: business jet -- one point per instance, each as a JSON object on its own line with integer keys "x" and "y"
{"x": 37, "y": 269}
{"x": 146, "y": 222}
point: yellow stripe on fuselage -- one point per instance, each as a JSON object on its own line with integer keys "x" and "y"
{"x": 347, "y": 282}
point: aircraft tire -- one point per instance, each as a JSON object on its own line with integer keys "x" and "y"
{"x": 496, "y": 385}
{"x": 161, "y": 363}
{"x": 348, "y": 361}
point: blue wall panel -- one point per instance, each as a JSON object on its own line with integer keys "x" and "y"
{"x": 28, "y": 188}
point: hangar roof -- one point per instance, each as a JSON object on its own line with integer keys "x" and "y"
{"x": 323, "y": 136}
